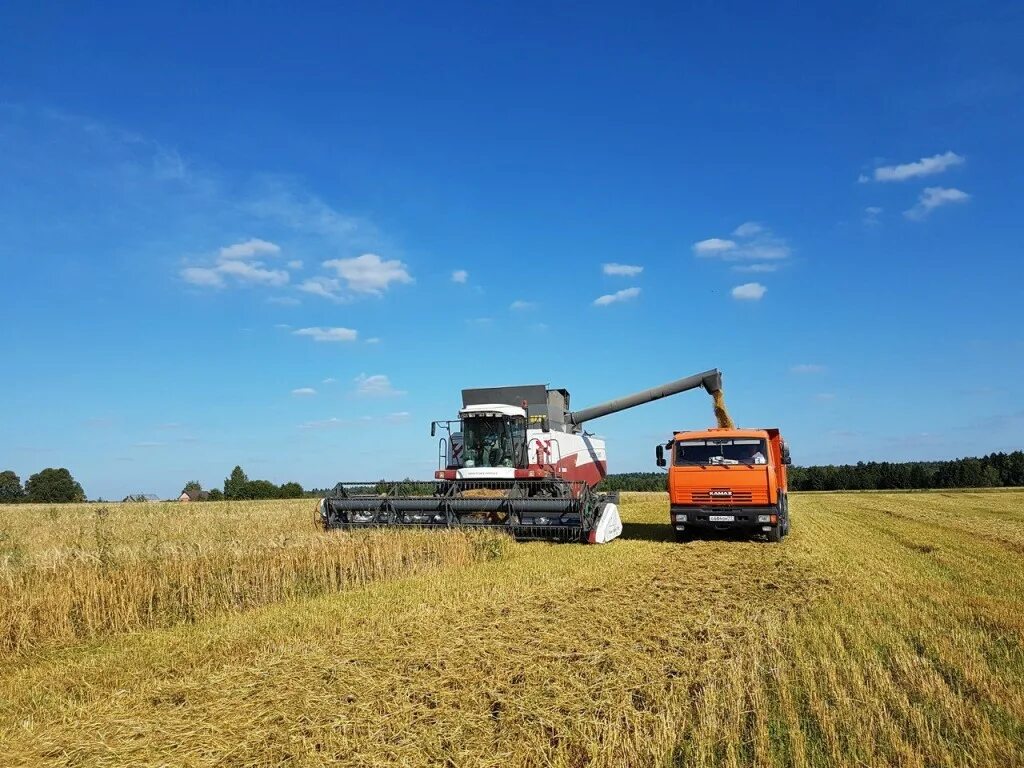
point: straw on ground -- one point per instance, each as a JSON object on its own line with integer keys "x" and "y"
{"x": 887, "y": 630}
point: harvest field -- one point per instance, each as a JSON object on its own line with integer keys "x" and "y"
{"x": 888, "y": 629}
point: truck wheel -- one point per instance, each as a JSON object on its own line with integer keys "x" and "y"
{"x": 775, "y": 534}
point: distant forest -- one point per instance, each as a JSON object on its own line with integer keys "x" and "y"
{"x": 991, "y": 471}
{"x": 56, "y": 485}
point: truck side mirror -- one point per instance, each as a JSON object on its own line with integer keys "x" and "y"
{"x": 786, "y": 458}
{"x": 659, "y": 453}
{"x": 433, "y": 429}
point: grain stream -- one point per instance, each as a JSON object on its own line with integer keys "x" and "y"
{"x": 722, "y": 417}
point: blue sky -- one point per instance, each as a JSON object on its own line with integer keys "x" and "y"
{"x": 288, "y": 238}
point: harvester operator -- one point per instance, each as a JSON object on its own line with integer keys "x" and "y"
{"x": 491, "y": 446}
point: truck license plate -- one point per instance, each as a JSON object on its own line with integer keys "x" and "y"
{"x": 722, "y": 518}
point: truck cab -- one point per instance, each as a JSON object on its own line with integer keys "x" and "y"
{"x": 727, "y": 480}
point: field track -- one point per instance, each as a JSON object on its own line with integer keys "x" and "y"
{"x": 888, "y": 629}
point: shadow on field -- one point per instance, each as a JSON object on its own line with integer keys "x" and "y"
{"x": 663, "y": 532}
{"x": 727, "y": 536}
{"x": 647, "y": 531}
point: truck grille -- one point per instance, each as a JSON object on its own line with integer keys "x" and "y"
{"x": 725, "y": 496}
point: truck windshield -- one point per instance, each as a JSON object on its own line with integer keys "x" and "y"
{"x": 740, "y": 450}
{"x": 494, "y": 441}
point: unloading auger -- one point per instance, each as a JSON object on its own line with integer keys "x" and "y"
{"x": 517, "y": 459}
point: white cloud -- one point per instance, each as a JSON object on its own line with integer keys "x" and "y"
{"x": 278, "y": 199}
{"x": 231, "y": 262}
{"x": 329, "y": 380}
{"x": 748, "y": 229}
{"x": 460, "y": 276}
{"x": 926, "y": 166}
{"x": 872, "y": 210}
{"x": 248, "y": 249}
{"x": 303, "y": 391}
{"x": 623, "y": 270}
{"x": 282, "y": 326}
{"x": 174, "y": 197}
{"x": 327, "y": 334}
{"x": 372, "y": 340}
{"x": 377, "y": 385}
{"x": 935, "y": 197}
{"x": 208, "y": 278}
{"x": 871, "y": 214}
{"x": 713, "y": 246}
{"x": 295, "y": 264}
{"x": 763, "y": 267}
{"x": 327, "y": 287}
{"x": 749, "y": 292}
{"x": 520, "y": 305}
{"x": 334, "y": 421}
{"x": 253, "y": 272}
{"x": 763, "y": 248}
{"x": 611, "y": 298}
{"x": 369, "y": 273}
{"x": 98, "y": 422}
{"x": 807, "y": 368}
{"x": 758, "y": 243}
{"x": 169, "y": 165}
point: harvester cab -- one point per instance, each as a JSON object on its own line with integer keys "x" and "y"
{"x": 486, "y": 439}
{"x": 516, "y": 458}
{"x": 506, "y": 433}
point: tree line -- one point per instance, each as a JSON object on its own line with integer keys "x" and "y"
{"x": 238, "y": 486}
{"x": 52, "y": 485}
{"x": 991, "y": 471}
{"x": 57, "y": 485}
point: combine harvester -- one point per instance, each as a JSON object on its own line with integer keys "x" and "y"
{"x": 516, "y": 459}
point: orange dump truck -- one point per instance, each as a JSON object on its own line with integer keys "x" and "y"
{"x": 727, "y": 480}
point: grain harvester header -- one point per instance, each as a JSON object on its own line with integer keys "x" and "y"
{"x": 517, "y": 458}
